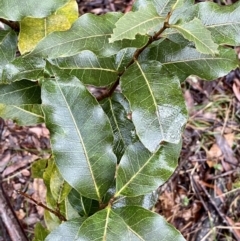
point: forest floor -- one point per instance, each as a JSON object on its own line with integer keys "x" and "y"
{"x": 201, "y": 199}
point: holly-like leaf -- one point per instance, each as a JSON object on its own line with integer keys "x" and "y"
{"x": 21, "y": 92}
{"x": 8, "y": 46}
{"x": 81, "y": 136}
{"x": 89, "y": 68}
{"x": 184, "y": 61}
{"x": 141, "y": 171}
{"x": 222, "y": 21}
{"x": 38, "y": 28}
{"x": 140, "y": 22}
{"x": 121, "y": 125}
{"x": 59, "y": 187}
{"x": 84, "y": 206}
{"x": 157, "y": 104}
{"x": 27, "y": 114}
{"x": 195, "y": 31}
{"x": 127, "y": 223}
{"x": 66, "y": 231}
{"x": 23, "y": 68}
{"x": 89, "y": 32}
{"x": 16, "y": 10}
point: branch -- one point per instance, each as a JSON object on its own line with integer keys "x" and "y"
{"x": 11, "y": 24}
{"x": 151, "y": 39}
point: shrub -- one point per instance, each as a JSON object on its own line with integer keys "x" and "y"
{"x": 108, "y": 89}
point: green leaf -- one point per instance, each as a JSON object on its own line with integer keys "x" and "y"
{"x": 121, "y": 125}
{"x": 22, "y": 114}
{"x": 127, "y": 223}
{"x": 40, "y": 233}
{"x": 222, "y": 21}
{"x": 123, "y": 57}
{"x": 8, "y": 47}
{"x": 89, "y": 32}
{"x": 66, "y": 231}
{"x": 59, "y": 188}
{"x": 21, "y": 92}
{"x": 84, "y": 206}
{"x": 184, "y": 61}
{"x": 16, "y": 11}
{"x": 141, "y": 171}
{"x": 140, "y": 22}
{"x": 157, "y": 104}
{"x": 38, "y": 28}
{"x": 38, "y": 168}
{"x": 195, "y": 31}
{"x": 147, "y": 201}
{"x": 89, "y": 68}
{"x": 24, "y": 68}
{"x": 81, "y": 136}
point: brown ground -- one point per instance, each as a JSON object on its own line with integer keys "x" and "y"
{"x": 201, "y": 199}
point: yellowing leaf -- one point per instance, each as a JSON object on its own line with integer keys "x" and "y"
{"x": 35, "y": 29}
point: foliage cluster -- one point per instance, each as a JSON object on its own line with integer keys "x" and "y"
{"x": 108, "y": 89}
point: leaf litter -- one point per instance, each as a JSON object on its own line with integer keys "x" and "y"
{"x": 201, "y": 199}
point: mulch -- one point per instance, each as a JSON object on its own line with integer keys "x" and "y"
{"x": 201, "y": 199}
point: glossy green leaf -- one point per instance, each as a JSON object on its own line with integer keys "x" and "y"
{"x": 8, "y": 47}
{"x": 89, "y": 68}
{"x": 84, "y": 206}
{"x": 147, "y": 201}
{"x": 30, "y": 114}
{"x": 66, "y": 231}
{"x": 38, "y": 28}
{"x": 184, "y": 61}
{"x": 157, "y": 104}
{"x": 16, "y": 10}
{"x": 140, "y": 22}
{"x": 123, "y": 57}
{"x": 128, "y": 223}
{"x": 121, "y": 125}
{"x": 222, "y": 21}
{"x": 141, "y": 171}
{"x": 21, "y": 92}
{"x": 23, "y": 68}
{"x": 59, "y": 188}
{"x": 89, "y": 32}
{"x": 195, "y": 31}
{"x": 81, "y": 136}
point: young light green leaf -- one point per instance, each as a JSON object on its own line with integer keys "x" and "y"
{"x": 29, "y": 114}
{"x": 222, "y": 21}
{"x": 89, "y": 68}
{"x": 128, "y": 223}
{"x": 16, "y": 10}
{"x": 81, "y": 136}
{"x": 140, "y": 22}
{"x": 66, "y": 231}
{"x": 89, "y": 32}
{"x": 38, "y": 28}
{"x": 8, "y": 47}
{"x": 141, "y": 171}
{"x": 58, "y": 186}
{"x": 121, "y": 125}
{"x": 157, "y": 104}
{"x": 23, "y": 68}
{"x": 195, "y": 31}
{"x": 40, "y": 232}
{"x": 184, "y": 61}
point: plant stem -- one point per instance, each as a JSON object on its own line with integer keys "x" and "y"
{"x": 11, "y": 24}
{"x": 137, "y": 53}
